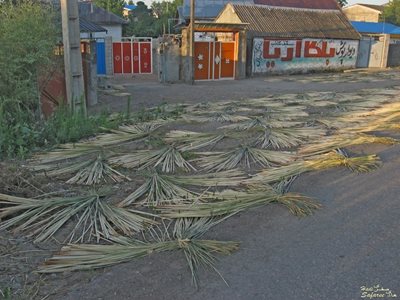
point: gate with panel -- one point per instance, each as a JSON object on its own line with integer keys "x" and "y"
{"x": 214, "y": 60}
{"x": 133, "y": 57}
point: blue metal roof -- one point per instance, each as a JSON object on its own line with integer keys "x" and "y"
{"x": 130, "y": 6}
{"x": 371, "y": 27}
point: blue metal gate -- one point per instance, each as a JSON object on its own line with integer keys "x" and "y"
{"x": 101, "y": 58}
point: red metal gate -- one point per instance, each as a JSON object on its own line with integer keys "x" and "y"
{"x": 214, "y": 60}
{"x": 133, "y": 57}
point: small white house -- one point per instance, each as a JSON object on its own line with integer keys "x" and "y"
{"x": 97, "y": 15}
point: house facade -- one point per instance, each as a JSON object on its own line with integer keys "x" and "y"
{"x": 298, "y": 40}
{"x": 364, "y": 12}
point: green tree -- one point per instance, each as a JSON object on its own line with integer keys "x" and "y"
{"x": 342, "y": 2}
{"x": 391, "y": 12}
{"x": 27, "y": 41}
{"x": 114, "y": 6}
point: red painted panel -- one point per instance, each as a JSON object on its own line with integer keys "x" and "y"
{"x": 227, "y": 60}
{"x": 217, "y": 59}
{"x": 201, "y": 60}
{"x": 145, "y": 57}
{"x": 117, "y": 54}
{"x": 127, "y": 55}
{"x": 135, "y": 57}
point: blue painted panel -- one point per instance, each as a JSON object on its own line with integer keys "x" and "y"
{"x": 101, "y": 58}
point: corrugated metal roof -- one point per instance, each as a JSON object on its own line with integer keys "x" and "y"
{"x": 86, "y": 26}
{"x": 371, "y": 27}
{"x": 294, "y": 23}
{"x": 98, "y": 15}
{"x": 311, "y": 4}
{"x": 209, "y": 9}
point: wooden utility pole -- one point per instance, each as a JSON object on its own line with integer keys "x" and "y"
{"x": 74, "y": 80}
{"x": 192, "y": 18}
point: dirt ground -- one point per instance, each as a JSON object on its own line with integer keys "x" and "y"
{"x": 352, "y": 242}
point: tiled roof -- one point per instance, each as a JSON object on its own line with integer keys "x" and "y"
{"x": 371, "y": 27}
{"x": 295, "y": 23}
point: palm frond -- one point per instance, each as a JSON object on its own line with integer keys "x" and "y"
{"x": 221, "y": 117}
{"x": 42, "y": 218}
{"x": 93, "y": 170}
{"x": 330, "y": 143}
{"x": 231, "y": 202}
{"x": 159, "y": 189}
{"x": 186, "y": 237}
{"x": 168, "y": 159}
{"x": 190, "y": 140}
{"x": 278, "y": 138}
{"x": 225, "y": 178}
{"x": 261, "y": 123}
{"x": 245, "y": 156}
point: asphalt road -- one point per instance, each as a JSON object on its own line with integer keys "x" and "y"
{"x": 352, "y": 242}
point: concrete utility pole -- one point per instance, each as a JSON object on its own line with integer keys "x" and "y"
{"x": 74, "y": 80}
{"x": 192, "y": 18}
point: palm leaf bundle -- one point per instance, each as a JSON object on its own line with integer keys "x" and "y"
{"x": 158, "y": 189}
{"x": 167, "y": 159}
{"x": 190, "y": 140}
{"x": 187, "y": 237}
{"x": 327, "y": 161}
{"x": 344, "y": 140}
{"x": 221, "y": 117}
{"x": 260, "y": 123}
{"x": 92, "y": 170}
{"x": 231, "y": 202}
{"x": 42, "y": 218}
{"x": 243, "y": 155}
{"x": 225, "y": 178}
{"x": 278, "y": 138}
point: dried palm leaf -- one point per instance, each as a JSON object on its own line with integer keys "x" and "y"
{"x": 224, "y": 178}
{"x": 231, "y": 202}
{"x": 330, "y": 143}
{"x": 260, "y": 123}
{"x": 193, "y": 140}
{"x": 327, "y": 161}
{"x": 159, "y": 190}
{"x": 243, "y": 155}
{"x": 168, "y": 159}
{"x": 278, "y": 138}
{"x": 89, "y": 172}
{"x": 216, "y": 117}
{"x": 186, "y": 237}
{"x": 42, "y": 218}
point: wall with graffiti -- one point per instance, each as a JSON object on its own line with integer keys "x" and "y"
{"x": 289, "y": 56}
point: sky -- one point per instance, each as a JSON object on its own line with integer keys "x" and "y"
{"x": 378, "y": 2}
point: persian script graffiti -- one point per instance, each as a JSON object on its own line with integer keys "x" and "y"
{"x": 303, "y": 54}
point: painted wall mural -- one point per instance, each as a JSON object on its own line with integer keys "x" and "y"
{"x": 285, "y": 56}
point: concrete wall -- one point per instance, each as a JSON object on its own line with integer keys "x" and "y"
{"x": 361, "y": 13}
{"x": 300, "y": 56}
{"x": 394, "y": 55}
{"x": 379, "y": 52}
{"x": 169, "y": 60}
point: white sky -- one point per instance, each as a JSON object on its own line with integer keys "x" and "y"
{"x": 378, "y": 2}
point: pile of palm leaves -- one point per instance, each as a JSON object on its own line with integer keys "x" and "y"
{"x": 243, "y": 155}
{"x": 168, "y": 159}
{"x": 190, "y": 140}
{"x": 327, "y": 161}
{"x": 96, "y": 217}
{"x": 230, "y": 202}
{"x": 186, "y": 237}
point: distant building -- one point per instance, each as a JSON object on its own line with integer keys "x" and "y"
{"x": 109, "y": 21}
{"x": 364, "y": 12}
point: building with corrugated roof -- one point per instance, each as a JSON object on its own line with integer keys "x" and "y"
{"x": 294, "y": 39}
